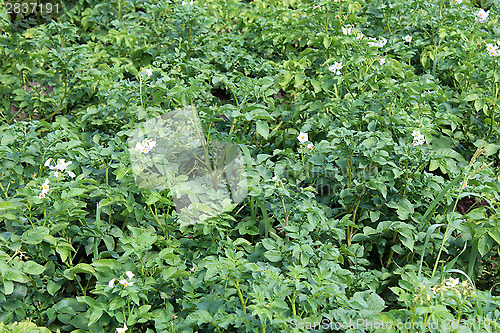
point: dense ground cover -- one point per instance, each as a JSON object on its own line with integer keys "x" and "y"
{"x": 370, "y": 144}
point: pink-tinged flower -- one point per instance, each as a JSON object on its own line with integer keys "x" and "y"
{"x": 359, "y": 35}
{"x": 382, "y": 60}
{"x": 71, "y": 174}
{"x": 303, "y": 137}
{"x": 122, "y": 330}
{"x": 482, "y": 15}
{"x": 111, "y": 283}
{"x": 492, "y": 50}
{"x": 310, "y": 146}
{"x": 41, "y": 195}
{"x": 175, "y": 317}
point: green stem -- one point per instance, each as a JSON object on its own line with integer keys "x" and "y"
{"x": 389, "y": 260}
{"x": 14, "y": 255}
{"x": 107, "y": 170}
{"x": 240, "y": 295}
{"x": 79, "y": 284}
{"x": 140, "y": 92}
{"x": 447, "y": 229}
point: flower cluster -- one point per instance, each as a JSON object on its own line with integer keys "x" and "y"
{"x": 418, "y": 138}
{"x": 45, "y": 189}
{"x": 377, "y": 43}
{"x": 482, "y": 15}
{"x": 123, "y": 282}
{"x": 444, "y": 290}
{"x": 336, "y": 67}
{"x": 493, "y": 50}
{"x": 61, "y": 165}
{"x": 145, "y": 146}
{"x": 463, "y": 289}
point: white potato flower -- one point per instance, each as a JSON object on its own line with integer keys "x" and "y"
{"x": 336, "y": 67}
{"x": 418, "y": 138}
{"x": 377, "y": 43}
{"x": 451, "y": 282}
{"x": 62, "y": 164}
{"x": 123, "y": 329}
{"x": 346, "y": 31}
{"x": 126, "y": 283}
{"x": 145, "y": 146}
{"x": 482, "y": 15}
{"x": 303, "y": 137}
{"x": 45, "y": 186}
